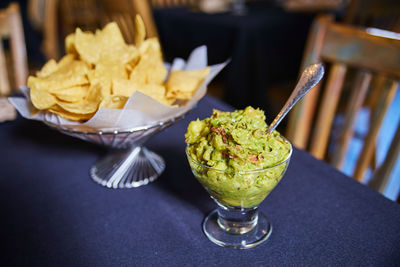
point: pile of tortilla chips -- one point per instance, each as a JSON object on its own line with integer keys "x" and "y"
{"x": 101, "y": 71}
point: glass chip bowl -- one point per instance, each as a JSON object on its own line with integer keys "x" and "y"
{"x": 128, "y": 164}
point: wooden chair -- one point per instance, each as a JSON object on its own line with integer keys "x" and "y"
{"x": 11, "y": 30}
{"x": 313, "y": 6}
{"x": 345, "y": 48}
{"x": 173, "y": 3}
{"x": 382, "y": 14}
{"x": 62, "y": 17}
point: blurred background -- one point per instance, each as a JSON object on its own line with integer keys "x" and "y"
{"x": 268, "y": 42}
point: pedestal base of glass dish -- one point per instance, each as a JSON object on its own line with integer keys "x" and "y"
{"x": 127, "y": 168}
{"x": 237, "y": 228}
{"x": 129, "y": 164}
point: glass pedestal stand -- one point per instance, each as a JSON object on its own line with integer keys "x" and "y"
{"x": 128, "y": 164}
{"x": 237, "y": 227}
{"x": 128, "y": 168}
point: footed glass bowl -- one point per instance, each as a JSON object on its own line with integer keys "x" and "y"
{"x": 236, "y": 222}
{"x": 128, "y": 163}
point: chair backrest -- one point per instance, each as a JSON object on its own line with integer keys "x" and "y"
{"x": 345, "y": 49}
{"x": 91, "y": 15}
{"x": 313, "y": 6}
{"x": 11, "y": 30}
{"x": 382, "y": 14}
{"x": 173, "y": 3}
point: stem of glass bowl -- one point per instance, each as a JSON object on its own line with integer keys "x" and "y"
{"x": 235, "y": 220}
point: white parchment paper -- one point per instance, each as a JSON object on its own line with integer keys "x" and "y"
{"x": 139, "y": 110}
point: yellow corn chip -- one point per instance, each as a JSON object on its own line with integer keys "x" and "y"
{"x": 90, "y": 46}
{"x": 127, "y": 54}
{"x": 65, "y": 60}
{"x": 81, "y": 107}
{"x": 128, "y": 87}
{"x": 110, "y": 37}
{"x": 183, "y": 84}
{"x": 42, "y": 99}
{"x": 73, "y": 94}
{"x": 108, "y": 68}
{"x": 140, "y": 30}
{"x": 100, "y": 88}
{"x": 68, "y": 115}
{"x": 69, "y": 75}
{"x": 47, "y": 69}
{"x": 95, "y": 93}
{"x": 111, "y": 67}
{"x": 70, "y": 45}
{"x": 150, "y": 68}
{"x": 114, "y": 101}
{"x": 51, "y": 66}
{"x": 86, "y": 46}
{"x": 124, "y": 87}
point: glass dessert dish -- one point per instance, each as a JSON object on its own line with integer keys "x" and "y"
{"x": 236, "y": 222}
{"x": 128, "y": 164}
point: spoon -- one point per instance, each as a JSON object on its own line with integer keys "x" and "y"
{"x": 309, "y": 78}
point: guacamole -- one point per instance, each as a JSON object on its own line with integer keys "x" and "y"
{"x": 234, "y": 158}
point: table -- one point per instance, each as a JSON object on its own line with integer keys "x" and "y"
{"x": 265, "y": 46}
{"x": 53, "y": 214}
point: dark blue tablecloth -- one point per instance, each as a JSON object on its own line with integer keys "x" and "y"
{"x": 265, "y": 45}
{"x": 53, "y": 214}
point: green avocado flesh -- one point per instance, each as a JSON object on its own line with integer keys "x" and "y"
{"x": 234, "y": 158}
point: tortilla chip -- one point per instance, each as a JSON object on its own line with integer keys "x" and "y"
{"x": 73, "y": 94}
{"x": 183, "y": 84}
{"x": 140, "y": 30}
{"x": 70, "y": 116}
{"x": 150, "y": 68}
{"x": 42, "y": 99}
{"x": 114, "y": 101}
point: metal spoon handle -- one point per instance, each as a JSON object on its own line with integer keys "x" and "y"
{"x": 309, "y": 78}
